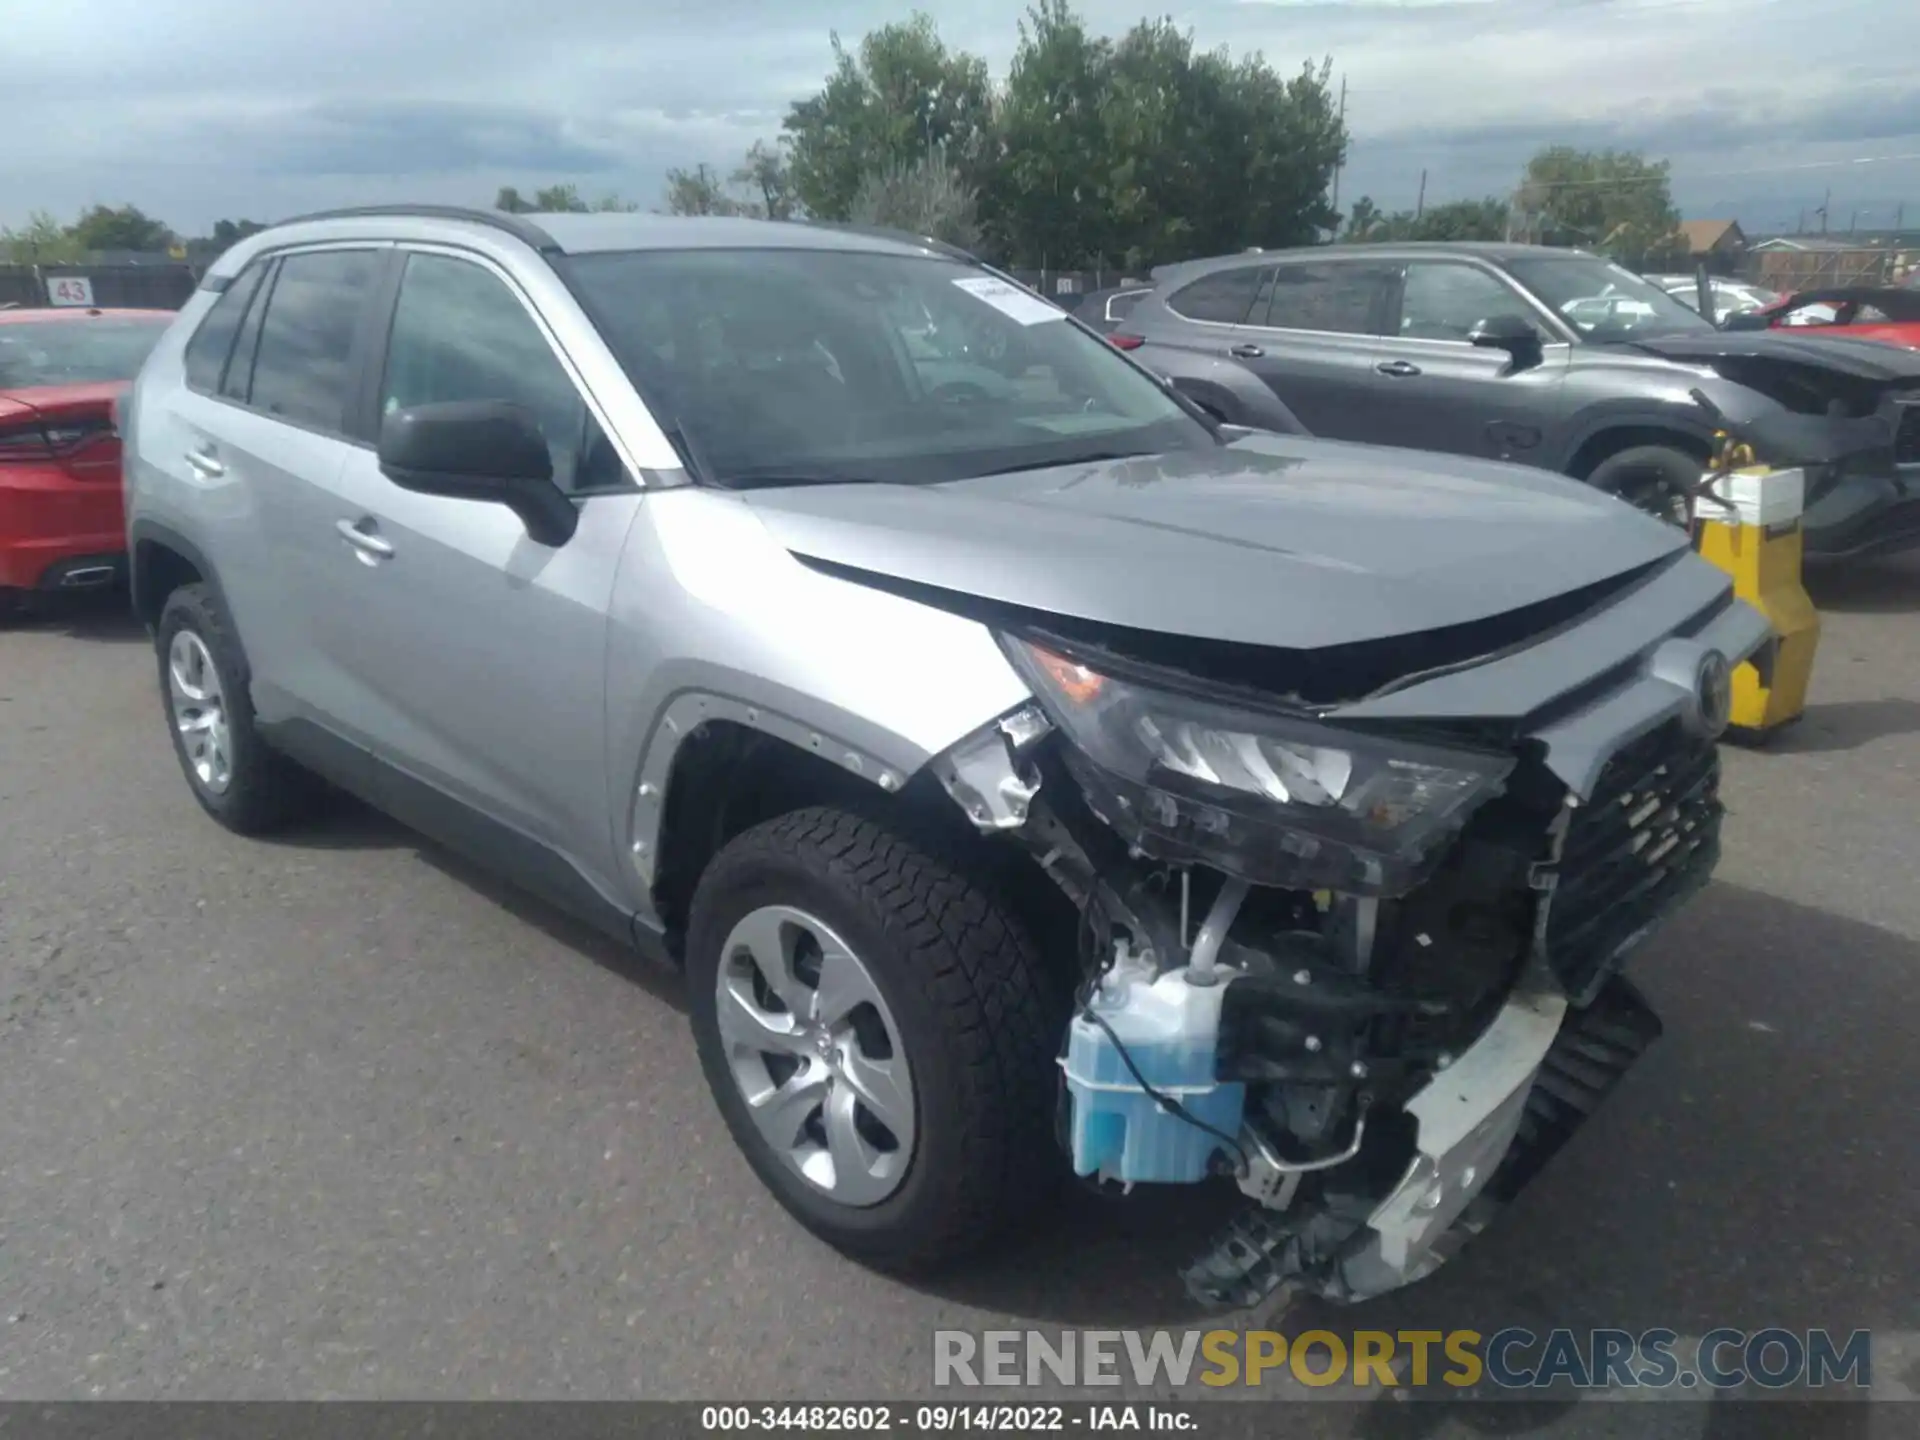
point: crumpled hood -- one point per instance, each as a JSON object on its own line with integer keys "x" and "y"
{"x": 1273, "y": 540}
{"x": 1871, "y": 360}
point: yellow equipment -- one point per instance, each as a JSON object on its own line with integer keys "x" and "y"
{"x": 1749, "y": 526}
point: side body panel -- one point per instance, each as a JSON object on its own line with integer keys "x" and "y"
{"x": 714, "y": 618}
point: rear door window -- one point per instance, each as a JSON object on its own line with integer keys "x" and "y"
{"x": 303, "y": 368}
{"x": 1333, "y": 297}
{"x": 212, "y": 343}
{"x": 1224, "y": 296}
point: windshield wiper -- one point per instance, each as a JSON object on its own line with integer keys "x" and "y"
{"x": 1094, "y": 457}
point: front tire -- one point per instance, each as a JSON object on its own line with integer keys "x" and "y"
{"x": 1655, "y": 478}
{"x": 879, "y": 1033}
{"x": 236, "y": 777}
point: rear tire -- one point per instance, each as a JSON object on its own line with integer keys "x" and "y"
{"x": 238, "y": 780}
{"x": 961, "y": 992}
{"x": 1653, "y": 478}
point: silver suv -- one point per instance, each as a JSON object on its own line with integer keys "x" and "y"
{"x": 1017, "y": 761}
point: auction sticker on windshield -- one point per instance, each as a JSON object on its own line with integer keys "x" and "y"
{"x": 1011, "y": 300}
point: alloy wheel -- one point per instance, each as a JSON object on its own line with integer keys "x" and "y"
{"x": 199, "y": 711}
{"x": 816, "y": 1054}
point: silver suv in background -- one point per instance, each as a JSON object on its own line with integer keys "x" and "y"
{"x": 1017, "y": 762}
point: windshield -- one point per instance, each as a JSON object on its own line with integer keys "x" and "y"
{"x": 1605, "y": 302}
{"x": 788, "y": 366}
{"x": 84, "y": 350}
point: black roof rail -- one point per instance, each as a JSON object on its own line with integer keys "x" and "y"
{"x": 518, "y": 226}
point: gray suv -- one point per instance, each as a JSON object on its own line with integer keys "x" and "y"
{"x": 1031, "y": 776}
{"x": 1546, "y": 357}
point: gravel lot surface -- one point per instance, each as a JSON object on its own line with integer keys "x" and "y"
{"x": 334, "y": 1116}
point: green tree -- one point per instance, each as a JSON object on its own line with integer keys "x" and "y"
{"x": 1364, "y": 221}
{"x": 902, "y": 96}
{"x": 700, "y": 191}
{"x": 1047, "y": 196}
{"x": 125, "y": 228}
{"x": 228, "y": 233}
{"x": 926, "y": 195}
{"x": 1143, "y": 149}
{"x": 557, "y": 200}
{"x": 765, "y": 173}
{"x": 1455, "y": 220}
{"x": 1613, "y": 201}
{"x": 43, "y": 240}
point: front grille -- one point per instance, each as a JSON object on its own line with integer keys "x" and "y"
{"x": 1648, "y": 838}
{"x": 1906, "y": 435}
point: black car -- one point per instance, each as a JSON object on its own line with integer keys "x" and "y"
{"x": 1546, "y": 357}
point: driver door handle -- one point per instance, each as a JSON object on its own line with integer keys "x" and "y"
{"x": 1399, "y": 369}
{"x": 1246, "y": 352}
{"x": 206, "y": 462}
{"x": 370, "y": 546}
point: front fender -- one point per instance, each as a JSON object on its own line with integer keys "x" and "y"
{"x": 714, "y": 620}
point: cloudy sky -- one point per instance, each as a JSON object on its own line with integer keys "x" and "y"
{"x": 199, "y": 109}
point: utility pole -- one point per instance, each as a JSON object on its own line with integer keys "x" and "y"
{"x": 1420, "y": 205}
{"x": 1825, "y": 205}
{"x": 1343, "y": 140}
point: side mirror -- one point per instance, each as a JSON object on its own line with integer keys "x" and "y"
{"x": 487, "y": 450}
{"x": 1509, "y": 333}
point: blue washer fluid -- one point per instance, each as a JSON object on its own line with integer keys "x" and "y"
{"x": 1170, "y": 1029}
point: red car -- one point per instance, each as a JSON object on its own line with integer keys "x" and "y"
{"x": 1855, "y": 312}
{"x": 61, "y": 522}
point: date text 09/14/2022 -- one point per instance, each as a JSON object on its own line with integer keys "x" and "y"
{"x": 938, "y": 1419}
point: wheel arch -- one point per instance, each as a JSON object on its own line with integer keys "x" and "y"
{"x": 735, "y": 766}
{"x": 1615, "y": 436}
{"x": 715, "y": 766}
{"x": 159, "y": 561}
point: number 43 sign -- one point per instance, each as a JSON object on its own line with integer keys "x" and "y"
{"x": 74, "y": 290}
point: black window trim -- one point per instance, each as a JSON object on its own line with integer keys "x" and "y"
{"x": 261, "y": 268}
{"x": 1383, "y": 305}
{"x": 356, "y": 356}
{"x": 366, "y": 410}
{"x": 246, "y": 340}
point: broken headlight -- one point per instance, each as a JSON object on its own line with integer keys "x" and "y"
{"x": 1271, "y": 798}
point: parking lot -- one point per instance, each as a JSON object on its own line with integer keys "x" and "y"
{"x": 335, "y": 1117}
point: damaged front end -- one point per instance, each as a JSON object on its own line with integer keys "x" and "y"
{"x": 1368, "y": 970}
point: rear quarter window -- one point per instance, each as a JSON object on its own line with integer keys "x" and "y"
{"x": 212, "y": 344}
{"x": 1224, "y": 297}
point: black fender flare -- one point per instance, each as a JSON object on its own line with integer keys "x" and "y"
{"x": 144, "y": 531}
{"x": 1692, "y": 427}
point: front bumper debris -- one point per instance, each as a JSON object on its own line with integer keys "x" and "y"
{"x": 1501, "y": 1112}
{"x": 1468, "y": 1115}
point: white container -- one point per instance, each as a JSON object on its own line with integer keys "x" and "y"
{"x": 1171, "y": 1031}
{"x": 1758, "y": 497}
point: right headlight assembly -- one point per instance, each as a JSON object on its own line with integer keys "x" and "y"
{"x": 1273, "y": 799}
